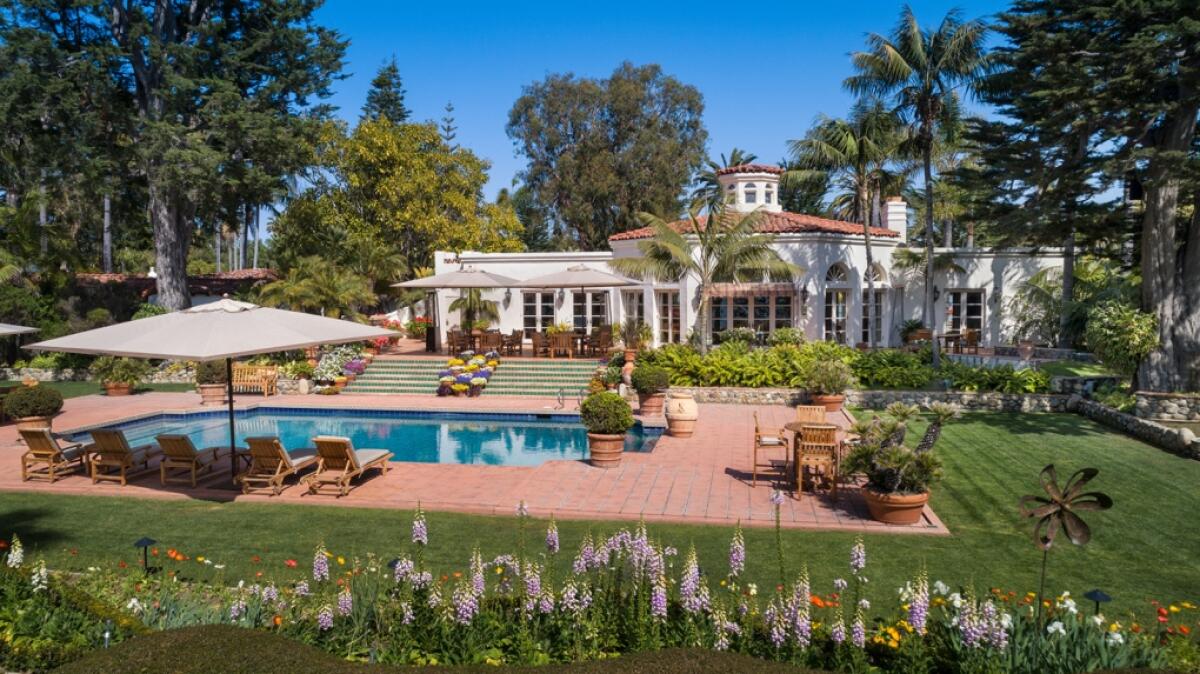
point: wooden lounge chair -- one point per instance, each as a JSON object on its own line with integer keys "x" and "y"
{"x": 52, "y": 456}
{"x": 179, "y": 454}
{"x": 767, "y": 442}
{"x": 113, "y": 458}
{"x": 339, "y": 463}
{"x": 270, "y": 464}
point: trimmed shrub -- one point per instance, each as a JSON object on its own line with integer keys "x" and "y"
{"x": 33, "y": 401}
{"x": 1121, "y": 336}
{"x": 892, "y": 370}
{"x": 786, "y": 337}
{"x": 110, "y": 370}
{"x": 746, "y": 335}
{"x": 829, "y": 377}
{"x": 649, "y": 379}
{"x": 211, "y": 372}
{"x": 606, "y": 413}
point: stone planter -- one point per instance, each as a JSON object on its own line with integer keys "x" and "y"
{"x": 604, "y": 451}
{"x": 34, "y": 423}
{"x": 304, "y": 386}
{"x": 832, "y": 403}
{"x": 211, "y": 394}
{"x": 902, "y": 509}
{"x": 117, "y": 389}
{"x": 1025, "y": 349}
{"x": 682, "y": 413}
{"x": 651, "y": 404}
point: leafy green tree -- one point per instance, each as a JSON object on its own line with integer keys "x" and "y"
{"x": 802, "y": 190}
{"x": 315, "y": 285}
{"x": 1121, "y": 336}
{"x": 922, "y": 71}
{"x": 473, "y": 308}
{"x": 708, "y": 185}
{"x": 602, "y": 151}
{"x": 385, "y": 98}
{"x": 717, "y": 248}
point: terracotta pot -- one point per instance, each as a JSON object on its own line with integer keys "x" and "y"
{"x": 630, "y": 355}
{"x": 831, "y": 403}
{"x": 117, "y": 389}
{"x": 895, "y": 508}
{"x": 604, "y": 451}
{"x": 211, "y": 394}
{"x": 682, "y": 413}
{"x": 1025, "y": 349}
{"x": 34, "y": 423}
{"x": 651, "y": 404}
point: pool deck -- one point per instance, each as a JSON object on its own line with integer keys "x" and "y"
{"x": 704, "y": 479}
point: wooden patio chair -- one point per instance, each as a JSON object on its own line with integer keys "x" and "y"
{"x": 179, "y": 454}
{"x": 271, "y": 464}
{"x": 457, "y": 341}
{"x": 47, "y": 458}
{"x": 970, "y": 342}
{"x": 604, "y": 342}
{"x": 811, "y": 414}
{"x": 817, "y": 454}
{"x": 767, "y": 442}
{"x": 514, "y": 344}
{"x": 490, "y": 341}
{"x": 562, "y": 343}
{"x": 113, "y": 459}
{"x": 339, "y": 462}
{"x": 540, "y": 345}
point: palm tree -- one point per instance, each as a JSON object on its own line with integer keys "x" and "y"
{"x": 314, "y": 285}
{"x": 922, "y": 70}
{"x": 857, "y": 153}
{"x": 708, "y": 188}
{"x": 721, "y": 247}
{"x": 473, "y": 307}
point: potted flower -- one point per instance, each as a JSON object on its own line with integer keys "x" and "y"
{"x": 827, "y": 381}
{"x": 340, "y": 381}
{"x": 460, "y": 389}
{"x": 607, "y": 418}
{"x": 444, "y": 383}
{"x": 477, "y": 384}
{"x": 119, "y": 375}
{"x": 611, "y": 376}
{"x": 33, "y": 407}
{"x": 898, "y": 478}
{"x": 650, "y": 382}
{"x": 211, "y": 380}
{"x": 633, "y": 333}
{"x": 353, "y": 368}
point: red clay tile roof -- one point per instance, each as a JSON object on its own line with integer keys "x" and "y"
{"x": 773, "y": 223}
{"x": 750, "y": 168}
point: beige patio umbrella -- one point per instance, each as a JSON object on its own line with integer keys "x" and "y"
{"x": 579, "y": 276}
{"x": 7, "y": 329}
{"x": 465, "y": 276}
{"x": 223, "y": 329}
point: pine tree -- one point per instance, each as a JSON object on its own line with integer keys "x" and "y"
{"x": 447, "y": 129}
{"x": 385, "y": 100}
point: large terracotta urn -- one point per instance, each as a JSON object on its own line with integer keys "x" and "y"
{"x": 34, "y": 423}
{"x": 903, "y": 509}
{"x": 651, "y": 404}
{"x": 117, "y": 389}
{"x": 832, "y": 403}
{"x": 682, "y": 413}
{"x": 604, "y": 450}
{"x": 211, "y": 394}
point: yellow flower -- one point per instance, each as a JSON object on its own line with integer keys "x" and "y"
{"x": 722, "y": 583}
{"x": 891, "y": 632}
{"x": 877, "y": 639}
{"x": 938, "y": 601}
{"x": 341, "y": 560}
{"x": 499, "y": 570}
{"x": 328, "y": 554}
{"x": 905, "y": 626}
{"x": 893, "y": 644}
{"x": 200, "y": 558}
{"x": 1188, "y": 605}
{"x": 1115, "y": 627}
{"x": 1174, "y": 608}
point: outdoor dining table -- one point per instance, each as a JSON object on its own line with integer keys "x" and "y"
{"x": 952, "y": 341}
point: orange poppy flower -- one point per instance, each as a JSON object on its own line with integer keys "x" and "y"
{"x": 290, "y": 563}
{"x": 256, "y": 559}
{"x": 278, "y": 620}
{"x": 817, "y": 601}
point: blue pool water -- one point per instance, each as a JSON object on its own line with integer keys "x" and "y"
{"x": 494, "y": 439}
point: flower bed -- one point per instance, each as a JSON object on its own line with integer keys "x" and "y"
{"x": 468, "y": 374}
{"x": 628, "y": 593}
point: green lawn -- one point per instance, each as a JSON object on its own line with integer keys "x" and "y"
{"x": 73, "y": 389}
{"x": 1144, "y": 548}
{"x": 1075, "y": 368}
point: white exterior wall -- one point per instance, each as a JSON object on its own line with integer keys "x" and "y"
{"x": 998, "y": 274}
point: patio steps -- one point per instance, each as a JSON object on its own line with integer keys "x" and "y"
{"x": 539, "y": 378}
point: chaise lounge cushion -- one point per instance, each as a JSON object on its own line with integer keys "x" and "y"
{"x": 365, "y": 456}
{"x": 770, "y": 440}
{"x": 299, "y": 456}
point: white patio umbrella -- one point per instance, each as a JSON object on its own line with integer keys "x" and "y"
{"x": 7, "y": 329}
{"x": 579, "y": 276}
{"x": 465, "y": 276}
{"x": 223, "y": 329}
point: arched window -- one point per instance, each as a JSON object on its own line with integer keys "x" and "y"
{"x": 768, "y": 194}
{"x": 874, "y": 274}
{"x": 837, "y": 274}
{"x": 751, "y": 193}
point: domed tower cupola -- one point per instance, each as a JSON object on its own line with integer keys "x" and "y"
{"x": 750, "y": 187}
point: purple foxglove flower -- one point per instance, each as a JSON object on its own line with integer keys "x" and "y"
{"x": 420, "y": 531}
{"x": 858, "y": 557}
{"x": 466, "y": 605}
{"x": 737, "y": 553}
{"x": 402, "y": 570}
{"x": 478, "y": 584}
{"x": 345, "y": 602}
{"x": 236, "y": 609}
{"x": 325, "y": 620}
{"x": 776, "y": 498}
{"x": 320, "y": 566}
{"x": 301, "y": 589}
{"x": 406, "y": 614}
{"x": 552, "y": 538}
{"x": 658, "y": 599}
{"x": 858, "y": 632}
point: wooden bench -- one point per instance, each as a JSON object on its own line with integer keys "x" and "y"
{"x": 247, "y": 378}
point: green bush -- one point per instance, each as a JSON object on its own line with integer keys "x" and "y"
{"x": 888, "y": 369}
{"x": 606, "y": 413}
{"x": 211, "y": 372}
{"x": 746, "y": 335}
{"x": 146, "y": 310}
{"x": 786, "y": 337}
{"x": 1003, "y": 378}
{"x": 829, "y": 377}
{"x": 1121, "y": 336}
{"x": 56, "y": 360}
{"x": 33, "y": 401}
{"x": 649, "y": 379}
{"x": 110, "y": 370}
{"x": 297, "y": 369}
{"x": 1117, "y": 397}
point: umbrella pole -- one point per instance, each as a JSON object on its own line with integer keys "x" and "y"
{"x": 229, "y": 397}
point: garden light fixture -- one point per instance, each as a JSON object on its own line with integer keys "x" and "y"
{"x": 144, "y": 543}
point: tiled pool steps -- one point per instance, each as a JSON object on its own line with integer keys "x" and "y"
{"x": 541, "y": 378}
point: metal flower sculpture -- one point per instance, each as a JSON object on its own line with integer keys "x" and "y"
{"x": 1058, "y": 512}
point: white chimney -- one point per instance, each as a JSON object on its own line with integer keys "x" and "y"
{"x": 895, "y": 216}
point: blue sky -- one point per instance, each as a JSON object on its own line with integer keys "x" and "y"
{"x": 766, "y": 71}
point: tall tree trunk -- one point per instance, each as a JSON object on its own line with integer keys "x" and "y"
{"x": 869, "y": 316}
{"x": 1187, "y": 330}
{"x": 930, "y": 317}
{"x": 106, "y": 244}
{"x": 257, "y": 233}
{"x": 970, "y": 235}
{"x": 1068, "y": 291}
{"x": 702, "y": 319}
{"x": 948, "y": 235}
{"x": 43, "y": 217}
{"x": 172, "y": 236}
{"x": 217, "y": 247}
{"x": 1166, "y": 274}
{"x": 245, "y": 238}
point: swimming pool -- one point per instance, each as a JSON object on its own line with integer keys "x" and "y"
{"x": 494, "y": 439}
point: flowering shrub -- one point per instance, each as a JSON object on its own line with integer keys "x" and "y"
{"x": 626, "y": 592}
{"x": 468, "y": 373}
{"x": 418, "y": 326}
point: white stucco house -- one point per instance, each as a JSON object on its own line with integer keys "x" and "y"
{"x": 828, "y": 301}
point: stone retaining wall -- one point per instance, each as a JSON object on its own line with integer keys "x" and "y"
{"x": 43, "y": 374}
{"x": 1082, "y": 385}
{"x": 1178, "y": 440}
{"x": 980, "y": 400}
{"x": 1168, "y": 406}
{"x": 745, "y": 396}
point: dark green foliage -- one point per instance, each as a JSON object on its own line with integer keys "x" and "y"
{"x": 745, "y": 335}
{"x": 147, "y": 310}
{"x": 385, "y": 99}
{"x": 112, "y": 370}
{"x": 829, "y": 377}
{"x": 1003, "y": 378}
{"x": 211, "y": 372}
{"x": 892, "y": 370}
{"x": 584, "y": 138}
{"x": 606, "y": 413}
{"x": 33, "y": 401}
{"x": 648, "y": 379}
